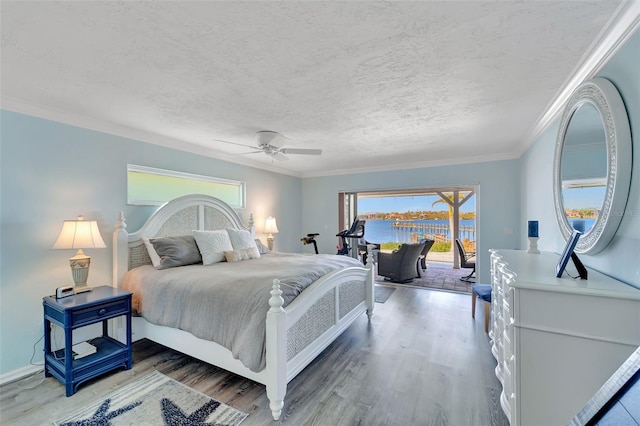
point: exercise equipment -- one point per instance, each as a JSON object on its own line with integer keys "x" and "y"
{"x": 310, "y": 239}
{"x": 355, "y": 232}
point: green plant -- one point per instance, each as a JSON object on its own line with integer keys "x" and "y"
{"x": 390, "y": 246}
{"x": 441, "y": 247}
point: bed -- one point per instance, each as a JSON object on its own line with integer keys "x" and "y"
{"x": 294, "y": 332}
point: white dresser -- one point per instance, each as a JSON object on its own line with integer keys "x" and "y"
{"x": 556, "y": 340}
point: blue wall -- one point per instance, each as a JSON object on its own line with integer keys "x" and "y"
{"x": 498, "y": 206}
{"x": 620, "y": 258}
{"x": 52, "y": 171}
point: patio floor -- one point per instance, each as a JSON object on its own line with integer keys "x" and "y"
{"x": 439, "y": 275}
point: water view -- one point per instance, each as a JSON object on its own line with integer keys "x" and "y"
{"x": 406, "y": 231}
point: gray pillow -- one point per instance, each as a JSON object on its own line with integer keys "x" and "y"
{"x": 262, "y": 249}
{"x": 176, "y": 251}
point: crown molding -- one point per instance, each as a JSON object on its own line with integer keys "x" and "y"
{"x": 86, "y": 122}
{"x": 417, "y": 165}
{"x": 622, "y": 25}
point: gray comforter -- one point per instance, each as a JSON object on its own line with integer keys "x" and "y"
{"x": 226, "y": 302}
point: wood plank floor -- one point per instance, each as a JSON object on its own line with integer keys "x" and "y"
{"x": 421, "y": 361}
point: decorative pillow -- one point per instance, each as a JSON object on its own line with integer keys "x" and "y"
{"x": 176, "y": 251}
{"x": 155, "y": 259}
{"x": 241, "y": 239}
{"x": 262, "y": 249}
{"x": 242, "y": 254}
{"x": 252, "y": 252}
{"x": 212, "y": 245}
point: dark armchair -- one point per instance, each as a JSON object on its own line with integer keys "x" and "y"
{"x": 400, "y": 265}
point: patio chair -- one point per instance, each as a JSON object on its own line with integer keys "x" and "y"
{"x": 464, "y": 262}
{"x": 421, "y": 265}
{"x": 400, "y": 265}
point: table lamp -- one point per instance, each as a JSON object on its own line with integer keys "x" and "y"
{"x": 270, "y": 228}
{"x": 79, "y": 234}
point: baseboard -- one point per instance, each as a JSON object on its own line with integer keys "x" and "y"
{"x": 12, "y": 376}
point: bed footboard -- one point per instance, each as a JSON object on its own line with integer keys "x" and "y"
{"x": 297, "y": 334}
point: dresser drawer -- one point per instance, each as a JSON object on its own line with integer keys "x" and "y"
{"x": 105, "y": 310}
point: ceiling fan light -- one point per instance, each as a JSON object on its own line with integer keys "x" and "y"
{"x": 265, "y": 137}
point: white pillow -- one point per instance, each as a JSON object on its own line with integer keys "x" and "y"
{"x": 241, "y": 239}
{"x": 212, "y": 245}
{"x": 153, "y": 254}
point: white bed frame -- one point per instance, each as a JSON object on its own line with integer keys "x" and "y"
{"x": 285, "y": 327}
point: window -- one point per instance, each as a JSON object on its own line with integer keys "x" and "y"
{"x": 149, "y": 186}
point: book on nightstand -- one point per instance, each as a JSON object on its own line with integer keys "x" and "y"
{"x": 83, "y": 349}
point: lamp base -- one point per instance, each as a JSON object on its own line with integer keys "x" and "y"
{"x": 270, "y": 242}
{"x": 533, "y": 245}
{"x": 80, "y": 271}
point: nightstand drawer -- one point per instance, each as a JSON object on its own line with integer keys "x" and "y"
{"x": 104, "y": 310}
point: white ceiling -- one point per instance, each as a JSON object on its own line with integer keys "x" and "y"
{"x": 376, "y": 85}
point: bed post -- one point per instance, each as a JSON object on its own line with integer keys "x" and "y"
{"x": 370, "y": 289}
{"x": 120, "y": 250}
{"x": 276, "y": 351}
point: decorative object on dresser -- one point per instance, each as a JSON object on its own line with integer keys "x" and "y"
{"x": 556, "y": 340}
{"x": 593, "y": 155}
{"x": 270, "y": 227}
{"x": 79, "y": 234}
{"x": 569, "y": 253}
{"x": 296, "y": 318}
{"x": 155, "y": 399}
{"x": 532, "y": 234}
{"x": 98, "y": 306}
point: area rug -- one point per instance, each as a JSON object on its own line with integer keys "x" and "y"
{"x": 155, "y": 399}
{"x": 382, "y": 293}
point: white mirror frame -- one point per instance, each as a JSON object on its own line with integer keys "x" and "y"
{"x": 605, "y": 97}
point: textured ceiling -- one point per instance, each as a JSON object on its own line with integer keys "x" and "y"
{"x": 376, "y": 85}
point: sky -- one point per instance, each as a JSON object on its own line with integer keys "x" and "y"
{"x": 583, "y": 198}
{"x": 403, "y": 204}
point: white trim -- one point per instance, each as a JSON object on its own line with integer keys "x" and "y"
{"x": 91, "y": 123}
{"x": 20, "y": 373}
{"x": 416, "y": 165}
{"x": 621, "y": 26}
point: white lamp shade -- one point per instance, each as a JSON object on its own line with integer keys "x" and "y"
{"x": 79, "y": 234}
{"x": 270, "y": 226}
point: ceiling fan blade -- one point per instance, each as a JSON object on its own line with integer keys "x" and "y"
{"x": 234, "y": 143}
{"x": 279, "y": 156}
{"x": 301, "y": 151}
{"x": 279, "y": 141}
{"x": 250, "y": 152}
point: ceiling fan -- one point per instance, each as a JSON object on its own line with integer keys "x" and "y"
{"x": 272, "y": 143}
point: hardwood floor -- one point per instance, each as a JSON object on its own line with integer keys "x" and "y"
{"x": 421, "y": 361}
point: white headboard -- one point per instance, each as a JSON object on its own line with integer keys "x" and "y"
{"x": 177, "y": 217}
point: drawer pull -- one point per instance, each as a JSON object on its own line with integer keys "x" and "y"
{"x": 102, "y": 311}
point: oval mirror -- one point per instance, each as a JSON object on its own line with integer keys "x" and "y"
{"x": 592, "y": 165}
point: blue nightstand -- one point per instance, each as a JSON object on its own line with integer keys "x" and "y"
{"x": 99, "y": 305}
